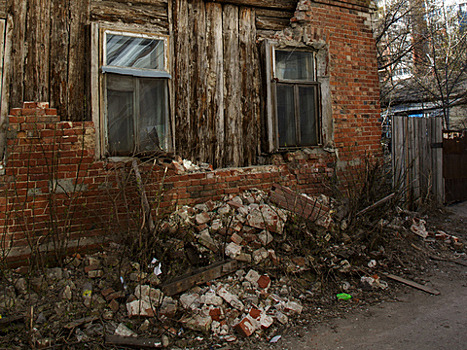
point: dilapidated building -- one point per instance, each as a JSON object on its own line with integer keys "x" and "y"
{"x": 263, "y": 91}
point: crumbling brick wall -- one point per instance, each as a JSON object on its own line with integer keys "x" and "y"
{"x": 57, "y": 196}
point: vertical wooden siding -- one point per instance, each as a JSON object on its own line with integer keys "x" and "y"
{"x": 417, "y": 158}
{"x": 217, "y": 83}
{"x": 216, "y": 69}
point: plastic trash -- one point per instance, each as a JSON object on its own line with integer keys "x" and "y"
{"x": 343, "y": 296}
{"x": 87, "y": 289}
{"x": 157, "y": 266}
{"x": 275, "y": 339}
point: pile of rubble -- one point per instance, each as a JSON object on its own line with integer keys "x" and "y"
{"x": 228, "y": 271}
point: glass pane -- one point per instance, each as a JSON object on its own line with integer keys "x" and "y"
{"x": 286, "y": 115}
{"x": 153, "y": 115}
{"x": 307, "y": 105}
{"x": 127, "y": 51}
{"x": 294, "y": 65}
{"x": 120, "y": 114}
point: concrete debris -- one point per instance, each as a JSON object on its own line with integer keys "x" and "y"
{"x": 124, "y": 331}
{"x": 271, "y": 280}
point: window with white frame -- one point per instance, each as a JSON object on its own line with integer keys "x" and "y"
{"x": 294, "y": 103}
{"x": 134, "y": 81}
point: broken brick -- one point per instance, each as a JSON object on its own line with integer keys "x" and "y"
{"x": 264, "y": 282}
{"x": 215, "y": 314}
{"x": 247, "y": 326}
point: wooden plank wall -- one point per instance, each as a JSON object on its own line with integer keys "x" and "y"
{"x": 417, "y": 159}
{"x": 216, "y": 67}
{"x": 216, "y": 77}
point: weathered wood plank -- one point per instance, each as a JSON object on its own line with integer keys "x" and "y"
{"x": 413, "y": 284}
{"x": 3, "y": 12}
{"x": 181, "y": 77}
{"x": 200, "y": 276}
{"x": 5, "y": 92}
{"x": 198, "y": 65}
{"x": 215, "y": 83}
{"x": 130, "y": 342}
{"x": 274, "y": 13}
{"x": 136, "y": 2}
{"x": 274, "y": 4}
{"x": 18, "y": 11}
{"x": 271, "y": 23}
{"x": 136, "y": 13}
{"x": 250, "y": 86}
{"x": 233, "y": 147}
{"x": 36, "y": 71}
{"x": 59, "y": 40}
{"x": 78, "y": 61}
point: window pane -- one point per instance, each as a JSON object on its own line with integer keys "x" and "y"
{"x": 127, "y": 51}
{"x": 137, "y": 114}
{"x": 308, "y": 120}
{"x": 286, "y": 115}
{"x": 153, "y": 115}
{"x": 120, "y": 114}
{"x": 294, "y": 65}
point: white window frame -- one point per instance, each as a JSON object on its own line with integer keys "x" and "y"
{"x": 271, "y": 119}
{"x": 99, "y": 68}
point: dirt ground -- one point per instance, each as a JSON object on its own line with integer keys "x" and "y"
{"x": 413, "y": 319}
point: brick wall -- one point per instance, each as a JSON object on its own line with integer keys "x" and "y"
{"x": 57, "y": 197}
{"x": 353, "y": 73}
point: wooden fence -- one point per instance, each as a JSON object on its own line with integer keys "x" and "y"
{"x": 417, "y": 158}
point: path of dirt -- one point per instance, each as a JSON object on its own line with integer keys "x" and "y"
{"x": 414, "y": 320}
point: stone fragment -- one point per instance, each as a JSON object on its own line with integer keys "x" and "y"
{"x": 243, "y": 257}
{"x": 91, "y": 261}
{"x": 146, "y": 292}
{"x": 292, "y": 306}
{"x": 202, "y": 218}
{"x": 107, "y": 291}
{"x": 114, "y": 305}
{"x": 247, "y": 326}
{"x": 230, "y": 298}
{"x": 199, "y": 323}
{"x": 115, "y": 295}
{"x": 95, "y": 274}
{"x": 259, "y": 255}
{"x": 55, "y": 273}
{"x": 265, "y": 237}
{"x": 21, "y": 285}
{"x": 282, "y": 318}
{"x": 210, "y": 298}
{"x": 140, "y": 308}
{"x": 144, "y": 326}
{"x": 224, "y": 210}
{"x": 265, "y": 321}
{"x": 168, "y": 307}
{"x": 216, "y": 225}
{"x": 91, "y": 268}
{"x": 190, "y": 301}
{"x": 206, "y": 240}
{"x": 252, "y": 276}
{"x": 66, "y": 293}
{"x": 124, "y": 331}
{"x": 267, "y": 218}
{"x": 232, "y": 250}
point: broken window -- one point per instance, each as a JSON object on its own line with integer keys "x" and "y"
{"x": 135, "y": 87}
{"x": 293, "y": 99}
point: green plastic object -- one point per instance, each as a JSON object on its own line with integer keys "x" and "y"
{"x": 343, "y": 296}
